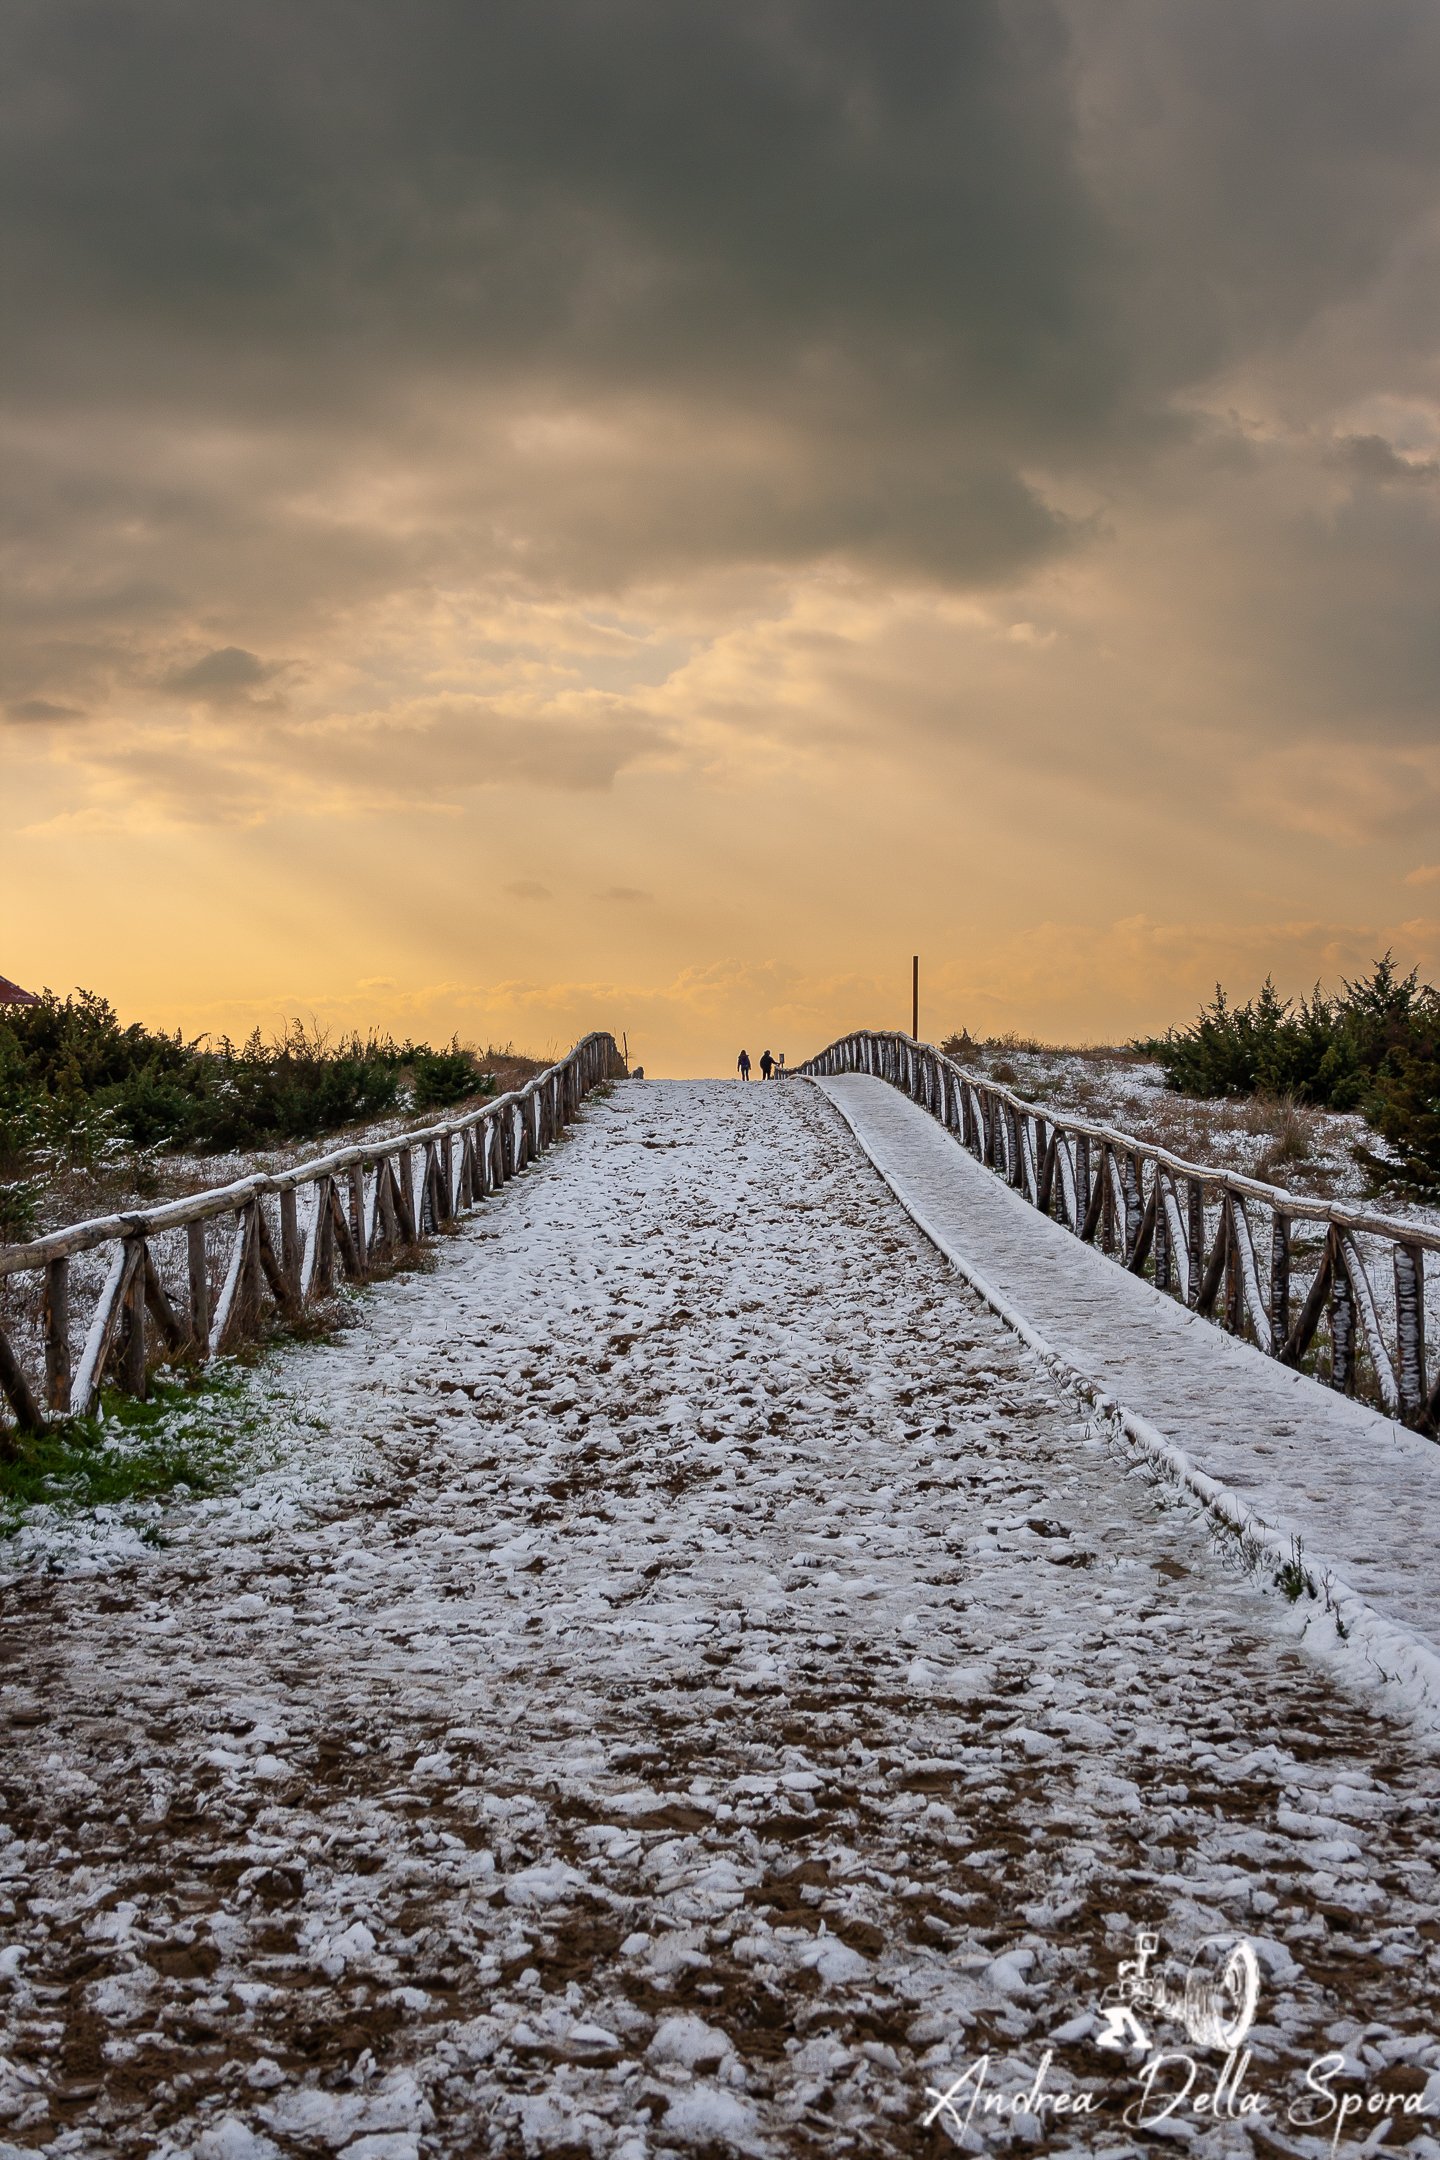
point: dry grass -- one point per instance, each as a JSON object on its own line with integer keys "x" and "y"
{"x": 967, "y": 1050}
{"x": 511, "y": 1067}
{"x": 1268, "y": 1137}
{"x": 1290, "y": 1130}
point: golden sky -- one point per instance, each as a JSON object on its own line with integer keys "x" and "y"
{"x": 530, "y": 518}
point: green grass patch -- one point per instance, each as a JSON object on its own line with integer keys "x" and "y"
{"x": 184, "y": 1435}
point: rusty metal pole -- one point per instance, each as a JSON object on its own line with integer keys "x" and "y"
{"x": 915, "y": 998}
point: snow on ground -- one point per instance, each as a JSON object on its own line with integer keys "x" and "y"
{"x": 726, "y": 1692}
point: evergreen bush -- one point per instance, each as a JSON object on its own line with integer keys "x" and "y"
{"x": 1375, "y": 1049}
{"x": 76, "y": 1087}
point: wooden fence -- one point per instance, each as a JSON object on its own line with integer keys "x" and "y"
{"x": 1223, "y": 1244}
{"x": 368, "y": 1204}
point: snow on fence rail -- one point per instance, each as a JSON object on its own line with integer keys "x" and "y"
{"x": 1152, "y": 1211}
{"x": 367, "y": 1205}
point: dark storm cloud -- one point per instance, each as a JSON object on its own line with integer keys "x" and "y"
{"x": 629, "y": 187}
{"x": 642, "y": 192}
{"x": 1365, "y": 606}
{"x": 1370, "y": 457}
{"x": 830, "y": 279}
{"x": 863, "y": 224}
{"x": 1259, "y": 160}
{"x": 37, "y": 708}
{"x": 220, "y": 677}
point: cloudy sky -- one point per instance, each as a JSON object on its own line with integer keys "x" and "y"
{"x": 550, "y": 513}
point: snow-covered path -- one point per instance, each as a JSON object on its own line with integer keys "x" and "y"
{"x": 1363, "y": 1494}
{"x": 744, "y": 1693}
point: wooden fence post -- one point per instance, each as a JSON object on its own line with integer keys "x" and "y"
{"x": 161, "y": 1310}
{"x": 1234, "y": 1309}
{"x": 199, "y": 1287}
{"x": 57, "y": 1335}
{"x": 325, "y": 1202}
{"x": 385, "y": 1205}
{"x": 1195, "y": 1229}
{"x": 357, "y": 1216}
{"x": 405, "y": 1197}
{"x": 1342, "y": 1321}
{"x": 250, "y": 1273}
{"x": 291, "y": 1253}
{"x": 132, "y": 1353}
{"x": 340, "y": 1226}
{"x": 1133, "y": 1209}
{"x": 13, "y": 1384}
{"x": 1279, "y": 1281}
{"x": 1049, "y": 1164}
{"x": 1214, "y": 1268}
{"x": 1410, "y": 1330}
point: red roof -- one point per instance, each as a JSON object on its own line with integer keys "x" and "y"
{"x": 12, "y": 994}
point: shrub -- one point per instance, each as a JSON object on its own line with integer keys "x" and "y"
{"x": 290, "y": 1089}
{"x": 1405, "y": 1110}
{"x": 444, "y": 1076}
{"x": 74, "y": 1083}
{"x": 1237, "y": 1050}
{"x": 17, "y": 1211}
{"x": 148, "y": 1108}
{"x": 1375, "y": 1048}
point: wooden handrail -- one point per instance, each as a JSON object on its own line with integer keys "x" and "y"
{"x": 1091, "y": 1178}
{"x": 495, "y": 1140}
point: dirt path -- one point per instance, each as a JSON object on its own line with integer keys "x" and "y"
{"x": 743, "y": 1695}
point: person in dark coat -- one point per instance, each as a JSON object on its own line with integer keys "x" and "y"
{"x": 742, "y": 1065}
{"x": 767, "y": 1063}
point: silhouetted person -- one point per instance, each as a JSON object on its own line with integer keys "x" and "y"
{"x": 767, "y": 1063}
{"x": 742, "y": 1065}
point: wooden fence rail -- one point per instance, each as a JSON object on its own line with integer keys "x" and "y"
{"x": 1223, "y": 1244}
{"x": 368, "y": 1202}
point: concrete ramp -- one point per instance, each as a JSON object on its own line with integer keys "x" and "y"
{"x": 1363, "y": 1493}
